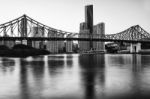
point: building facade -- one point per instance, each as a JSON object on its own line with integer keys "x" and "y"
{"x": 89, "y": 21}
{"x": 87, "y": 30}
{"x": 61, "y": 44}
{"x": 89, "y": 17}
{"x": 55, "y": 46}
{"x": 37, "y": 32}
{"x": 99, "y": 32}
{"x": 9, "y": 43}
{"x": 52, "y": 46}
{"x": 84, "y": 33}
{"x": 69, "y": 44}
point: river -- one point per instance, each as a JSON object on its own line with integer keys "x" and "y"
{"x": 74, "y": 76}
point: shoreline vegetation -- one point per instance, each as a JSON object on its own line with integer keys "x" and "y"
{"x": 21, "y": 50}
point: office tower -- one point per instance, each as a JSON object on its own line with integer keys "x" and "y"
{"x": 99, "y": 32}
{"x": 84, "y": 33}
{"x": 89, "y": 20}
{"x": 37, "y": 32}
{"x": 89, "y": 17}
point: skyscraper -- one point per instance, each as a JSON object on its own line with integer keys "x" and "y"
{"x": 87, "y": 30}
{"x": 89, "y": 21}
{"x": 84, "y": 33}
{"x": 89, "y": 17}
{"x": 99, "y": 32}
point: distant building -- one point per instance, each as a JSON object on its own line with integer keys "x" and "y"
{"x": 75, "y": 47}
{"x": 69, "y": 44}
{"x": 55, "y": 46}
{"x": 52, "y": 46}
{"x": 61, "y": 44}
{"x": 89, "y": 21}
{"x": 99, "y": 32}
{"x": 84, "y": 33}
{"x": 87, "y": 30}
{"x": 37, "y": 32}
{"x": 89, "y": 18}
{"x": 9, "y": 43}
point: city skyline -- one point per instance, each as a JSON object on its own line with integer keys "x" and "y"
{"x": 66, "y": 15}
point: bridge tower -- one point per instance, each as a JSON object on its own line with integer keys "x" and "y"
{"x": 23, "y": 26}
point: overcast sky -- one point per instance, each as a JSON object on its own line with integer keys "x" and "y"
{"x": 66, "y": 15}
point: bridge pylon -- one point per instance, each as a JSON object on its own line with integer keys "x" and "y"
{"x": 23, "y": 26}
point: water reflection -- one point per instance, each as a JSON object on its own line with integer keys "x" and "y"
{"x": 7, "y": 64}
{"x": 31, "y": 77}
{"x": 75, "y": 77}
{"x": 69, "y": 59}
{"x": 55, "y": 65}
{"x": 136, "y": 63}
{"x": 93, "y": 67}
{"x": 23, "y": 79}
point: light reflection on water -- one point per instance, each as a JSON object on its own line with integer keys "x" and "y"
{"x": 75, "y": 76}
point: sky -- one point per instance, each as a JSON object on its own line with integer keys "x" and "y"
{"x": 66, "y": 15}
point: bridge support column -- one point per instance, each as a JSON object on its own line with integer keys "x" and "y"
{"x": 135, "y": 48}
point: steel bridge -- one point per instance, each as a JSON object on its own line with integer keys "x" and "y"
{"x": 21, "y": 29}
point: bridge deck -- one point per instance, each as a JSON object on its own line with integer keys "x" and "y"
{"x": 74, "y": 39}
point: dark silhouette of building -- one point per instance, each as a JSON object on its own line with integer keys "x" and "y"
{"x": 89, "y": 20}
{"x": 89, "y": 17}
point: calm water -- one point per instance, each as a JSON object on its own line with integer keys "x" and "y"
{"x": 75, "y": 76}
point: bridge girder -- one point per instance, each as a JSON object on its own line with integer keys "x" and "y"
{"x": 10, "y": 28}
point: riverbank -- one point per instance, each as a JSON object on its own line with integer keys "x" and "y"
{"x": 21, "y": 51}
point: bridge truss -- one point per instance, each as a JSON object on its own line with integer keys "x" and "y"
{"x": 21, "y": 28}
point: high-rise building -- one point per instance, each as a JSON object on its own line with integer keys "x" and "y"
{"x": 99, "y": 32}
{"x": 89, "y": 17}
{"x": 89, "y": 21}
{"x": 87, "y": 30}
{"x": 84, "y": 33}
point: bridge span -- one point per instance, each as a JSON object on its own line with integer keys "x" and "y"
{"x": 26, "y": 28}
